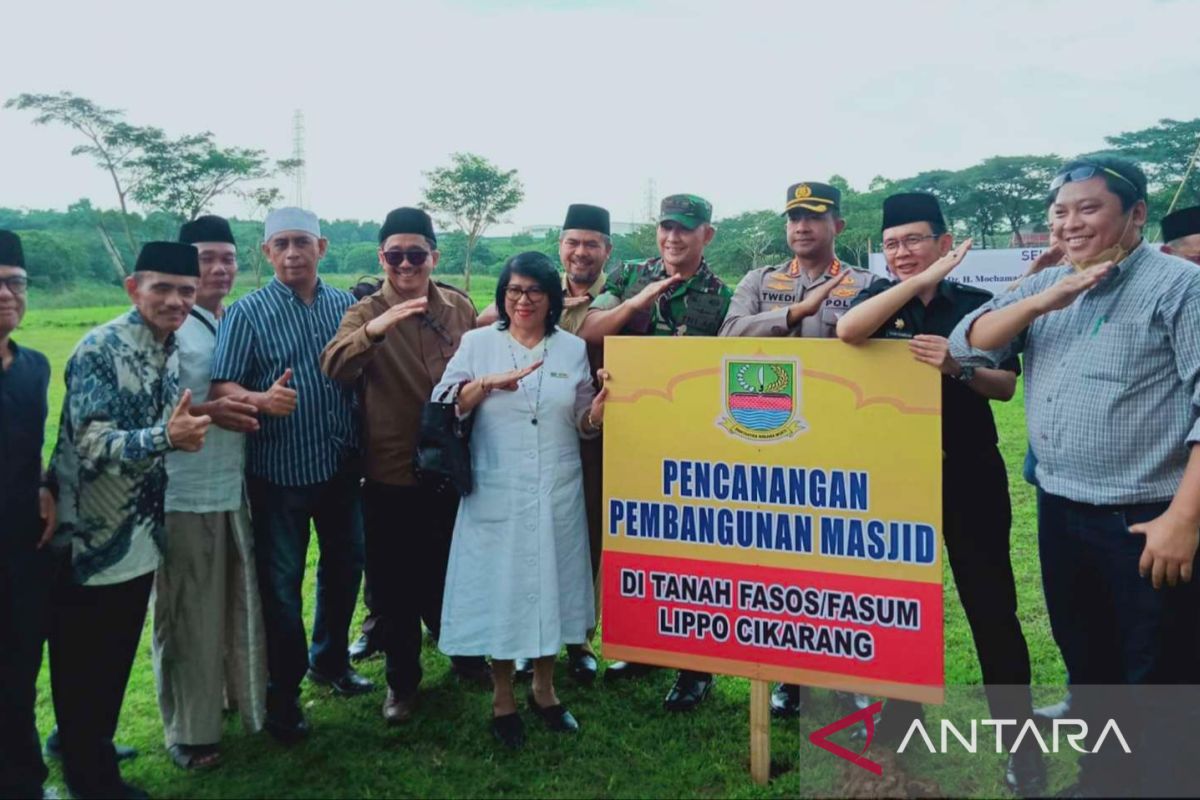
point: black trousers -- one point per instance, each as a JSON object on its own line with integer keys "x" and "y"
{"x": 1132, "y": 651}
{"x": 976, "y": 520}
{"x": 408, "y": 531}
{"x": 282, "y": 516}
{"x": 26, "y": 580}
{"x": 94, "y": 635}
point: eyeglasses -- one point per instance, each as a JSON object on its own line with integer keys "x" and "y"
{"x": 17, "y": 284}
{"x": 534, "y": 293}
{"x": 910, "y": 242}
{"x": 1084, "y": 173}
{"x": 395, "y": 258}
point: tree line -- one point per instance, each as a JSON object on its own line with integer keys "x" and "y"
{"x": 160, "y": 182}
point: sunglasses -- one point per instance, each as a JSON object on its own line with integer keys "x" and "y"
{"x": 1087, "y": 172}
{"x": 395, "y": 258}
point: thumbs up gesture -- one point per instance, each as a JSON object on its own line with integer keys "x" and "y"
{"x": 185, "y": 431}
{"x": 280, "y": 399}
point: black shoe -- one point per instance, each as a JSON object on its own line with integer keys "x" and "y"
{"x": 581, "y": 665}
{"x": 52, "y": 749}
{"x": 689, "y": 691}
{"x": 620, "y": 670}
{"x": 510, "y": 730}
{"x": 788, "y": 700}
{"x": 1025, "y": 773}
{"x": 891, "y": 723}
{"x": 849, "y": 702}
{"x": 287, "y": 725}
{"x": 556, "y": 717}
{"x": 522, "y": 669}
{"x": 348, "y": 684}
{"x": 473, "y": 671}
{"x": 363, "y": 648}
{"x": 1045, "y": 716}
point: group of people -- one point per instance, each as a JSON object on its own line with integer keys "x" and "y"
{"x": 199, "y": 445}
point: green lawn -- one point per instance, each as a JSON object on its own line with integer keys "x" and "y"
{"x": 628, "y": 746}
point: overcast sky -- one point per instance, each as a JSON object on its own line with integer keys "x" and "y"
{"x": 732, "y": 100}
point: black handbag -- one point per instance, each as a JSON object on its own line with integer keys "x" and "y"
{"x": 443, "y": 458}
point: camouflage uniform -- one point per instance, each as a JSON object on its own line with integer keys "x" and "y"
{"x": 760, "y": 304}
{"x": 696, "y": 307}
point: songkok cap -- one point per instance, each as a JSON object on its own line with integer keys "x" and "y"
{"x": 688, "y": 210}
{"x": 11, "y": 254}
{"x": 291, "y": 218}
{"x": 172, "y": 258}
{"x": 407, "y": 220}
{"x": 901, "y": 209}
{"x": 815, "y": 197}
{"x": 1175, "y": 225}
{"x": 582, "y": 217}
{"x": 208, "y": 228}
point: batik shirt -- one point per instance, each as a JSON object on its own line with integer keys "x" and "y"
{"x": 696, "y": 307}
{"x": 122, "y": 385}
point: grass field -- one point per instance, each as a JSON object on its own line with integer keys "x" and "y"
{"x": 628, "y": 746}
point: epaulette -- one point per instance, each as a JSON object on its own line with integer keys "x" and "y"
{"x": 452, "y": 288}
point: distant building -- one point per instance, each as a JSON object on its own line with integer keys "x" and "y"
{"x": 1030, "y": 238}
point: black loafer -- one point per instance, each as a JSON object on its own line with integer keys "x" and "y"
{"x": 348, "y": 684}
{"x": 509, "y": 730}
{"x": 287, "y": 725}
{"x": 788, "y": 700}
{"x": 522, "y": 669}
{"x": 621, "y": 670}
{"x": 581, "y": 665}
{"x": 689, "y": 691}
{"x": 1025, "y": 773}
{"x": 363, "y": 648}
{"x": 556, "y": 717}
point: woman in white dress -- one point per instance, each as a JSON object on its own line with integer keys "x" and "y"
{"x": 519, "y": 577}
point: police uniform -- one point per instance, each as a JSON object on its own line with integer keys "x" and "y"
{"x": 976, "y": 512}
{"x": 760, "y": 304}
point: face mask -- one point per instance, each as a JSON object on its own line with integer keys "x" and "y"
{"x": 1116, "y": 253}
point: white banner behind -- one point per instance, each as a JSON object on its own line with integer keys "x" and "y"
{"x": 993, "y": 270}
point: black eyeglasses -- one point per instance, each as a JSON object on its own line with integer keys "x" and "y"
{"x": 534, "y": 293}
{"x": 1086, "y": 172}
{"x": 395, "y": 258}
{"x": 910, "y": 243}
{"x": 17, "y": 284}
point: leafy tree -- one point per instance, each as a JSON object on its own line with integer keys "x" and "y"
{"x": 1165, "y": 152}
{"x": 748, "y": 241}
{"x": 111, "y": 142}
{"x": 360, "y": 259}
{"x": 181, "y": 177}
{"x": 1015, "y": 187}
{"x": 51, "y": 259}
{"x": 473, "y": 194}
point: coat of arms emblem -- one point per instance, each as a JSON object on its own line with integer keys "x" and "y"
{"x": 761, "y": 399}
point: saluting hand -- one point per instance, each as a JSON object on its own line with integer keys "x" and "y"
{"x": 1064, "y": 292}
{"x": 643, "y": 300}
{"x": 1048, "y": 258}
{"x": 507, "y": 381}
{"x": 185, "y": 431}
{"x": 1169, "y": 551}
{"x": 279, "y": 400}
{"x": 939, "y": 269}
{"x": 812, "y": 302}
{"x": 378, "y": 327}
{"x": 575, "y": 302}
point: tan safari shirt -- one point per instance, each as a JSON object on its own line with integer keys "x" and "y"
{"x": 760, "y": 304}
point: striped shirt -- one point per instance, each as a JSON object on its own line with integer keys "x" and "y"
{"x": 1112, "y": 381}
{"x": 266, "y": 332}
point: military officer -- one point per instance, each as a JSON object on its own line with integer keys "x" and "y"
{"x": 803, "y": 296}
{"x": 676, "y": 294}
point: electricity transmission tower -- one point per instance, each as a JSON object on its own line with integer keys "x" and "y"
{"x": 298, "y": 157}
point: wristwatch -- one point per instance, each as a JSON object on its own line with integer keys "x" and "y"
{"x": 966, "y": 375}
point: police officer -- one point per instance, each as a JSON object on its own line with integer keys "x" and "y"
{"x": 923, "y": 308}
{"x": 803, "y": 296}
{"x": 676, "y": 294}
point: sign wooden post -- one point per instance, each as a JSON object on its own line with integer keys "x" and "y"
{"x": 760, "y": 732}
